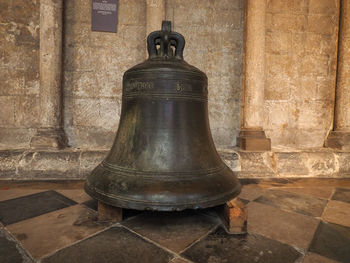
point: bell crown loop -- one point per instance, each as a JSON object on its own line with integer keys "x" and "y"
{"x": 165, "y": 39}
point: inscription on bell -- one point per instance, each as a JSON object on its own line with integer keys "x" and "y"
{"x": 138, "y": 86}
{"x": 180, "y": 86}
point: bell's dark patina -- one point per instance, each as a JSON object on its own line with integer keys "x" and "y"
{"x": 163, "y": 156}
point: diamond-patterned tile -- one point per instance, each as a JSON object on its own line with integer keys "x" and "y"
{"x": 18, "y": 209}
{"x": 316, "y": 258}
{"x": 78, "y": 195}
{"x": 44, "y": 234}
{"x": 179, "y": 260}
{"x": 7, "y": 193}
{"x": 332, "y": 241}
{"x": 337, "y": 212}
{"x": 250, "y": 192}
{"x": 173, "y": 230}
{"x": 341, "y": 194}
{"x": 10, "y": 251}
{"x": 318, "y": 192}
{"x": 221, "y": 247}
{"x": 293, "y": 202}
{"x": 92, "y": 204}
{"x": 113, "y": 245}
{"x": 290, "y": 228}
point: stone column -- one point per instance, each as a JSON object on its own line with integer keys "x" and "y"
{"x": 339, "y": 138}
{"x": 50, "y": 134}
{"x": 155, "y": 14}
{"x": 252, "y": 136}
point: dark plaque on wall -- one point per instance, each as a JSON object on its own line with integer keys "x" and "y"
{"x": 104, "y": 15}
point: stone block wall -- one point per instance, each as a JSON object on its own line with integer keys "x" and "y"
{"x": 301, "y": 59}
{"x": 305, "y": 97}
{"x": 19, "y": 71}
{"x": 214, "y": 35}
{"x": 94, "y": 63}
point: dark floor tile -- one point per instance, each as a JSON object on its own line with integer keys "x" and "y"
{"x": 332, "y": 241}
{"x": 113, "y": 245}
{"x": 316, "y": 258}
{"x": 78, "y": 195}
{"x": 222, "y": 247}
{"x": 92, "y": 203}
{"x": 9, "y": 193}
{"x": 18, "y": 209}
{"x": 10, "y": 251}
{"x": 179, "y": 260}
{"x": 42, "y": 235}
{"x": 173, "y": 230}
{"x": 287, "y": 227}
{"x": 341, "y": 194}
{"x": 287, "y": 201}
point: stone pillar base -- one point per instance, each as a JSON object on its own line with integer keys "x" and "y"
{"x": 338, "y": 140}
{"x": 49, "y": 138}
{"x": 251, "y": 140}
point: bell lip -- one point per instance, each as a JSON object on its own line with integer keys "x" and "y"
{"x": 156, "y": 206}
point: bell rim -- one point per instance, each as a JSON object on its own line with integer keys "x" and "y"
{"x": 162, "y": 206}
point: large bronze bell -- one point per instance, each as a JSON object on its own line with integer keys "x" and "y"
{"x": 163, "y": 156}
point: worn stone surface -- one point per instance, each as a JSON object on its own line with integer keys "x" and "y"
{"x": 316, "y": 258}
{"x": 341, "y": 194}
{"x": 8, "y": 162}
{"x": 221, "y": 247}
{"x": 19, "y": 67}
{"x": 22, "y": 208}
{"x": 301, "y": 54}
{"x": 77, "y": 195}
{"x": 7, "y": 193}
{"x": 76, "y": 164}
{"x": 338, "y": 249}
{"x": 337, "y": 212}
{"x": 290, "y": 228}
{"x": 319, "y": 192}
{"x": 292, "y": 202}
{"x": 175, "y": 231}
{"x": 94, "y": 66}
{"x": 72, "y": 224}
{"x": 110, "y": 245}
{"x": 49, "y": 164}
{"x": 10, "y": 251}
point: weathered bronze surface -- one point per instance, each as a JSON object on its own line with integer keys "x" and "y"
{"x": 163, "y": 156}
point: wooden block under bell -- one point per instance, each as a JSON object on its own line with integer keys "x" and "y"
{"x": 234, "y": 216}
{"x": 109, "y": 213}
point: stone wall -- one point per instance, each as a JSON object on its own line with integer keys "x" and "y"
{"x": 301, "y": 58}
{"x": 94, "y": 63}
{"x": 306, "y": 88}
{"x": 19, "y": 71}
{"x": 214, "y": 34}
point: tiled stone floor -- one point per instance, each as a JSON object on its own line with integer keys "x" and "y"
{"x": 305, "y": 220}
